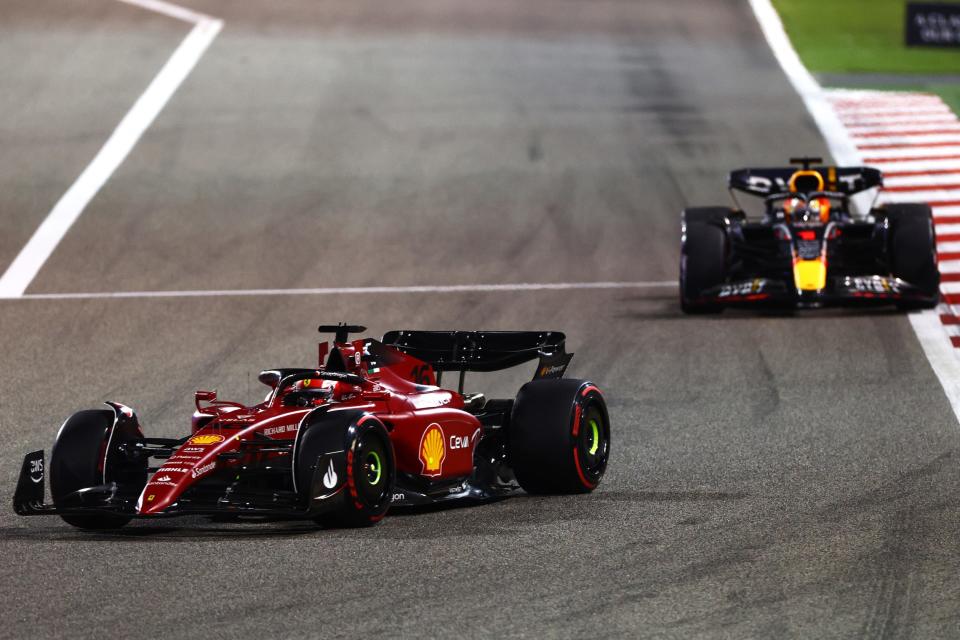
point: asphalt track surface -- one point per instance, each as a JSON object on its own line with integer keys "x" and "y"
{"x": 772, "y": 476}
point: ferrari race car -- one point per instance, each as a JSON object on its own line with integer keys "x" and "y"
{"x": 368, "y": 429}
{"x": 808, "y": 249}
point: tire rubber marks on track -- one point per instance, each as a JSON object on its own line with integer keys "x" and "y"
{"x": 51, "y": 231}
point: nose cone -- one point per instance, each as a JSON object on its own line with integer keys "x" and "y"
{"x": 810, "y": 275}
{"x": 155, "y": 498}
{"x": 191, "y": 463}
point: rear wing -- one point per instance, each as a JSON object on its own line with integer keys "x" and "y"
{"x": 845, "y": 181}
{"x": 484, "y": 350}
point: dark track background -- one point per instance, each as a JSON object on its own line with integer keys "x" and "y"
{"x": 774, "y": 476}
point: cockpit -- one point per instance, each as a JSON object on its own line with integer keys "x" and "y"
{"x": 806, "y": 203}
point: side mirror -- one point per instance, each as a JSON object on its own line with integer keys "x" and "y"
{"x": 204, "y": 396}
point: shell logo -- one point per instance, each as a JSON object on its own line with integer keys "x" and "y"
{"x": 432, "y": 450}
{"x": 206, "y": 438}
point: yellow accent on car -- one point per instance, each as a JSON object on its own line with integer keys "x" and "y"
{"x": 805, "y": 173}
{"x": 810, "y": 275}
{"x": 432, "y": 450}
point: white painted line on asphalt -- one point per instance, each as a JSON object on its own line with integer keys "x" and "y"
{"x": 932, "y": 180}
{"x": 839, "y": 143}
{"x": 892, "y": 128}
{"x": 948, "y": 247}
{"x": 846, "y": 99}
{"x": 51, "y": 231}
{"x": 893, "y": 121}
{"x": 894, "y": 110}
{"x": 334, "y": 291}
{"x": 921, "y": 196}
{"x": 941, "y": 355}
{"x": 912, "y": 154}
{"x": 940, "y": 212}
{"x": 918, "y": 140}
{"x": 917, "y": 165}
{"x": 927, "y": 325}
{"x": 171, "y": 10}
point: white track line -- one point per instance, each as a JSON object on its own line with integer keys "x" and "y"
{"x": 333, "y": 291}
{"x": 841, "y": 147}
{"x": 948, "y": 247}
{"x": 935, "y": 180}
{"x": 889, "y": 155}
{"x": 933, "y": 195}
{"x": 51, "y": 231}
{"x": 940, "y": 212}
{"x": 916, "y": 165}
{"x": 917, "y": 140}
{"x": 945, "y": 364}
{"x": 892, "y": 128}
{"x": 926, "y": 324}
{"x": 905, "y": 110}
{"x": 941, "y": 118}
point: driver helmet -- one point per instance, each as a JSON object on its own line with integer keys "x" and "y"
{"x": 820, "y": 207}
{"x": 798, "y": 209}
{"x": 795, "y": 209}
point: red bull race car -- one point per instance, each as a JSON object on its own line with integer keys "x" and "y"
{"x": 807, "y": 248}
{"x": 368, "y": 429}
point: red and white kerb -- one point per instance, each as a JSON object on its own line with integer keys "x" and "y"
{"x": 914, "y": 139}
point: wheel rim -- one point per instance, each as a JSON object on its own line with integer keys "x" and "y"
{"x": 594, "y": 440}
{"x": 373, "y": 467}
{"x": 371, "y": 476}
{"x": 594, "y": 444}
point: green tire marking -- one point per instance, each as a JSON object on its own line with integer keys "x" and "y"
{"x": 595, "y": 437}
{"x": 375, "y": 466}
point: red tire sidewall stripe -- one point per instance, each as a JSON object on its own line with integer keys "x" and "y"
{"x": 576, "y": 463}
{"x": 578, "y": 416}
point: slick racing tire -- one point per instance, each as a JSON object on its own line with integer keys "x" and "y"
{"x": 703, "y": 257}
{"x": 559, "y": 436}
{"x": 79, "y": 460}
{"x": 369, "y": 467}
{"x": 913, "y": 251}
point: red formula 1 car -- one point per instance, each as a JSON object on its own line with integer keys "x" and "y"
{"x": 368, "y": 429}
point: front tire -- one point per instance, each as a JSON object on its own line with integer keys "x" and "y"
{"x": 370, "y": 466}
{"x": 559, "y": 436}
{"x": 77, "y": 462}
{"x": 703, "y": 257}
{"x": 913, "y": 252}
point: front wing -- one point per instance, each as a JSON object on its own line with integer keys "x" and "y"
{"x": 28, "y": 500}
{"x": 840, "y": 290}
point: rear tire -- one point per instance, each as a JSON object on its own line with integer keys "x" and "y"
{"x": 913, "y": 251}
{"x": 703, "y": 257}
{"x": 370, "y": 467}
{"x": 76, "y": 462}
{"x": 559, "y": 436}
